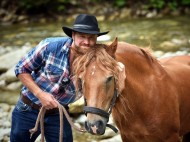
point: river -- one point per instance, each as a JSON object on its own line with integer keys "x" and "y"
{"x": 141, "y": 31}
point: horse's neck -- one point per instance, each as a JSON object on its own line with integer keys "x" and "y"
{"x": 138, "y": 62}
{"x": 141, "y": 72}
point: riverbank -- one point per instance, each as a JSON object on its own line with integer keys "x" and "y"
{"x": 105, "y": 11}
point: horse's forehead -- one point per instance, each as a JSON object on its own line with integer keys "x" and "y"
{"x": 92, "y": 69}
{"x": 96, "y": 70}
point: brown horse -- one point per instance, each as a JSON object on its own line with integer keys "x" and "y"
{"x": 150, "y": 98}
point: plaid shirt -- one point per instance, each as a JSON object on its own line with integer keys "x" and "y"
{"x": 48, "y": 63}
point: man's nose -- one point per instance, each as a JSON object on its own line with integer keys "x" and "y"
{"x": 86, "y": 41}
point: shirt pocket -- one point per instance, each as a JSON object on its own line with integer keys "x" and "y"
{"x": 53, "y": 73}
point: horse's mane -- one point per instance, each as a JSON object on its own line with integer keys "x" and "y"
{"x": 97, "y": 53}
{"x": 148, "y": 54}
{"x": 145, "y": 52}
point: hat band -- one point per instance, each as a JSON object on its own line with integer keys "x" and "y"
{"x": 85, "y": 27}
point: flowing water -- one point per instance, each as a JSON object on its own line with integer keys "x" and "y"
{"x": 142, "y": 32}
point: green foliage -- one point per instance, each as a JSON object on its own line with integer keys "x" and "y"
{"x": 157, "y": 3}
{"x": 185, "y": 2}
{"x": 42, "y": 5}
{"x": 48, "y": 6}
{"x": 31, "y": 4}
{"x": 172, "y": 5}
{"x": 120, "y": 3}
{"x": 96, "y": 1}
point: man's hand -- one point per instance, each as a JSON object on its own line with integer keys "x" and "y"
{"x": 47, "y": 100}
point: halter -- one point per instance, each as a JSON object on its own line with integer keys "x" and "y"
{"x": 101, "y": 112}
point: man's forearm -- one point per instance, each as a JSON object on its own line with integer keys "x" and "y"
{"x": 28, "y": 81}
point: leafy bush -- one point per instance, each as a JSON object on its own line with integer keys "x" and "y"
{"x": 45, "y": 6}
{"x": 53, "y": 6}
{"x": 185, "y": 2}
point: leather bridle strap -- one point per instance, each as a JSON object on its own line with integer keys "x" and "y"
{"x": 103, "y": 113}
{"x": 113, "y": 101}
{"x": 112, "y": 127}
{"x": 98, "y": 111}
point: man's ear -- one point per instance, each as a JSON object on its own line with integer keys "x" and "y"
{"x": 73, "y": 35}
{"x": 111, "y": 49}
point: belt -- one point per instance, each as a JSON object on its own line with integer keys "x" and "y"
{"x": 27, "y": 101}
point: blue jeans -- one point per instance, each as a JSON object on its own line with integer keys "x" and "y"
{"x": 24, "y": 118}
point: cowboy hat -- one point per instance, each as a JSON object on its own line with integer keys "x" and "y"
{"x": 84, "y": 23}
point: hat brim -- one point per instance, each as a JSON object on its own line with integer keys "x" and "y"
{"x": 68, "y": 31}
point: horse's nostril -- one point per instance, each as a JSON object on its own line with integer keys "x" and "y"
{"x": 101, "y": 127}
{"x": 99, "y": 123}
{"x": 88, "y": 127}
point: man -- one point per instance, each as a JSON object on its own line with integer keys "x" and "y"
{"x": 45, "y": 74}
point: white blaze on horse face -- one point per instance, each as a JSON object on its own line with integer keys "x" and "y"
{"x": 94, "y": 129}
{"x": 93, "y": 70}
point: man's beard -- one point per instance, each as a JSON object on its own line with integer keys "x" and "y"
{"x": 81, "y": 50}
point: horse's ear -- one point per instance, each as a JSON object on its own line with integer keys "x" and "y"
{"x": 111, "y": 49}
{"x": 121, "y": 77}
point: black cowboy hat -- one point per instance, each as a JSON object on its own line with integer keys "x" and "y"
{"x": 84, "y": 23}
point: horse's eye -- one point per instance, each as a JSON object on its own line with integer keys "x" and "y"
{"x": 109, "y": 79}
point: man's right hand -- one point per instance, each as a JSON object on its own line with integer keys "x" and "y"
{"x": 47, "y": 100}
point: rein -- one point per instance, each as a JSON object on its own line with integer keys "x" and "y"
{"x": 40, "y": 119}
{"x": 101, "y": 112}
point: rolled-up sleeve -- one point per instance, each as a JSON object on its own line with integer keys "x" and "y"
{"x": 32, "y": 60}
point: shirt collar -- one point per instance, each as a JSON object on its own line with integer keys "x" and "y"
{"x": 67, "y": 45}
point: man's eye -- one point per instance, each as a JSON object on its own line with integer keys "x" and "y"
{"x": 91, "y": 38}
{"x": 82, "y": 36}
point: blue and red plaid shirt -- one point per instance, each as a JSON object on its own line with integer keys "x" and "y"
{"x": 48, "y": 63}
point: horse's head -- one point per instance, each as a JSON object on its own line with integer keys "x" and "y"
{"x": 101, "y": 79}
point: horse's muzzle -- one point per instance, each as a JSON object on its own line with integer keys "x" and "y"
{"x": 96, "y": 128}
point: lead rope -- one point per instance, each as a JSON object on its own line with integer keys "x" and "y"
{"x": 40, "y": 119}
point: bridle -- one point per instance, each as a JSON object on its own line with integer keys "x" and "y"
{"x": 101, "y": 112}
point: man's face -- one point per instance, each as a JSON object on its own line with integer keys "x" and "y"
{"x": 83, "y": 41}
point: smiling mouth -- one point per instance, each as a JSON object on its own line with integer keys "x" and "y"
{"x": 85, "y": 47}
